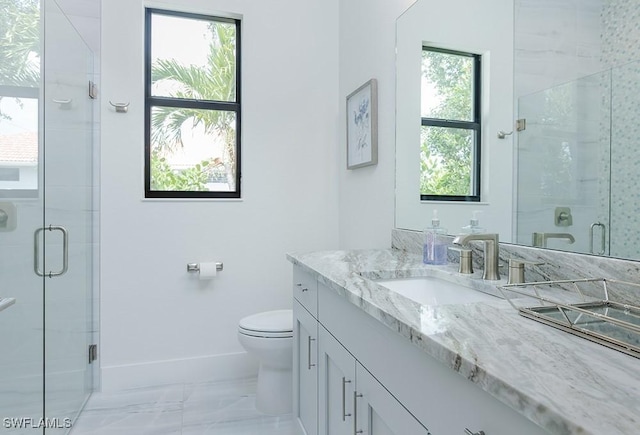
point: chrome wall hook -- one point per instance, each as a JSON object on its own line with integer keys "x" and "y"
{"x": 120, "y": 107}
{"x": 502, "y": 134}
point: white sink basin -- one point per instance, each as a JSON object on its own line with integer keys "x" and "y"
{"x": 429, "y": 290}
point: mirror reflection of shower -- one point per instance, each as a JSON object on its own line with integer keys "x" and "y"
{"x": 578, "y": 150}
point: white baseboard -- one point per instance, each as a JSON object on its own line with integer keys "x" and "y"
{"x": 178, "y": 371}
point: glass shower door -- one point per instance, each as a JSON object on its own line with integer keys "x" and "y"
{"x": 46, "y": 219}
{"x": 67, "y": 235}
{"x": 563, "y": 165}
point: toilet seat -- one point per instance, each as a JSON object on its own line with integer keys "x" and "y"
{"x": 270, "y": 324}
{"x": 262, "y": 334}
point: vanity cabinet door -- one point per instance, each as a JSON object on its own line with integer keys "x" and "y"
{"x": 377, "y": 412}
{"x": 305, "y": 371}
{"x": 336, "y": 381}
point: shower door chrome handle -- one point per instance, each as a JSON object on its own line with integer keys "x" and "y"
{"x": 602, "y": 240}
{"x": 65, "y": 251}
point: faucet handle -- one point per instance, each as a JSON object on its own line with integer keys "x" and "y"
{"x": 516, "y": 270}
{"x": 466, "y": 260}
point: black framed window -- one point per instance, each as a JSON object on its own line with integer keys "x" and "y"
{"x": 450, "y": 135}
{"x": 192, "y": 106}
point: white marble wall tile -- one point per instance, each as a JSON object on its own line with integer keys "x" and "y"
{"x": 555, "y": 42}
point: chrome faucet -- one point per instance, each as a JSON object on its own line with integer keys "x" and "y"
{"x": 540, "y": 239}
{"x": 491, "y": 252}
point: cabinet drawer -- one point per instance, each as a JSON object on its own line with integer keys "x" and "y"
{"x": 305, "y": 290}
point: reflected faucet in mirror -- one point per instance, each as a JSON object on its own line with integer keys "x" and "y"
{"x": 491, "y": 252}
{"x": 540, "y": 239}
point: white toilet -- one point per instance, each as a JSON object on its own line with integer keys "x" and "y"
{"x": 269, "y": 337}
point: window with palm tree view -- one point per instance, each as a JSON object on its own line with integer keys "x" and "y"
{"x": 192, "y": 144}
{"x": 450, "y": 136}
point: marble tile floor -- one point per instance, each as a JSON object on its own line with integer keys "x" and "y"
{"x": 215, "y": 408}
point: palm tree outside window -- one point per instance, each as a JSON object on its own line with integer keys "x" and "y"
{"x": 192, "y": 125}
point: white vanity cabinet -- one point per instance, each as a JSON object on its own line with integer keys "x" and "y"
{"x": 305, "y": 371}
{"x": 370, "y": 380}
{"x": 305, "y": 346}
{"x": 351, "y": 401}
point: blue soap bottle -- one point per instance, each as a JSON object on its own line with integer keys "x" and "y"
{"x": 435, "y": 242}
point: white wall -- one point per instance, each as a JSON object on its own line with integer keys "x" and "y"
{"x": 367, "y": 50}
{"x": 160, "y": 324}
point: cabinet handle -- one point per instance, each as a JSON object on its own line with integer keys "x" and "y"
{"x": 344, "y": 401}
{"x": 355, "y": 413}
{"x": 468, "y": 432}
{"x": 309, "y": 354}
{"x": 304, "y": 289}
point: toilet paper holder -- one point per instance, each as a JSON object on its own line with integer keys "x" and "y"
{"x": 195, "y": 267}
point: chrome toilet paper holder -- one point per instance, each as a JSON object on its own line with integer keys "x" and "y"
{"x": 195, "y": 267}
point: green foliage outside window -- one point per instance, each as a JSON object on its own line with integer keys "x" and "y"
{"x": 19, "y": 43}
{"x": 445, "y": 161}
{"x": 166, "y": 178}
{"x": 19, "y": 46}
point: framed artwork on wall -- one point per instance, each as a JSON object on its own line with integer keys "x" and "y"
{"x": 362, "y": 126}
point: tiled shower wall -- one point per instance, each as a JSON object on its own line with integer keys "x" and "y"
{"x": 621, "y": 52}
{"x": 559, "y": 92}
{"x": 580, "y": 101}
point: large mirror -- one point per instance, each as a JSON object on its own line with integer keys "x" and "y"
{"x": 569, "y": 72}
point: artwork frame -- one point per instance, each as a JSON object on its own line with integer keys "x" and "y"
{"x": 362, "y": 126}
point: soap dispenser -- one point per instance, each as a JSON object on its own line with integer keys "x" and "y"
{"x": 435, "y": 242}
{"x": 474, "y": 225}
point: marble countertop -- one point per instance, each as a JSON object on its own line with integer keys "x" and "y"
{"x": 563, "y": 383}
